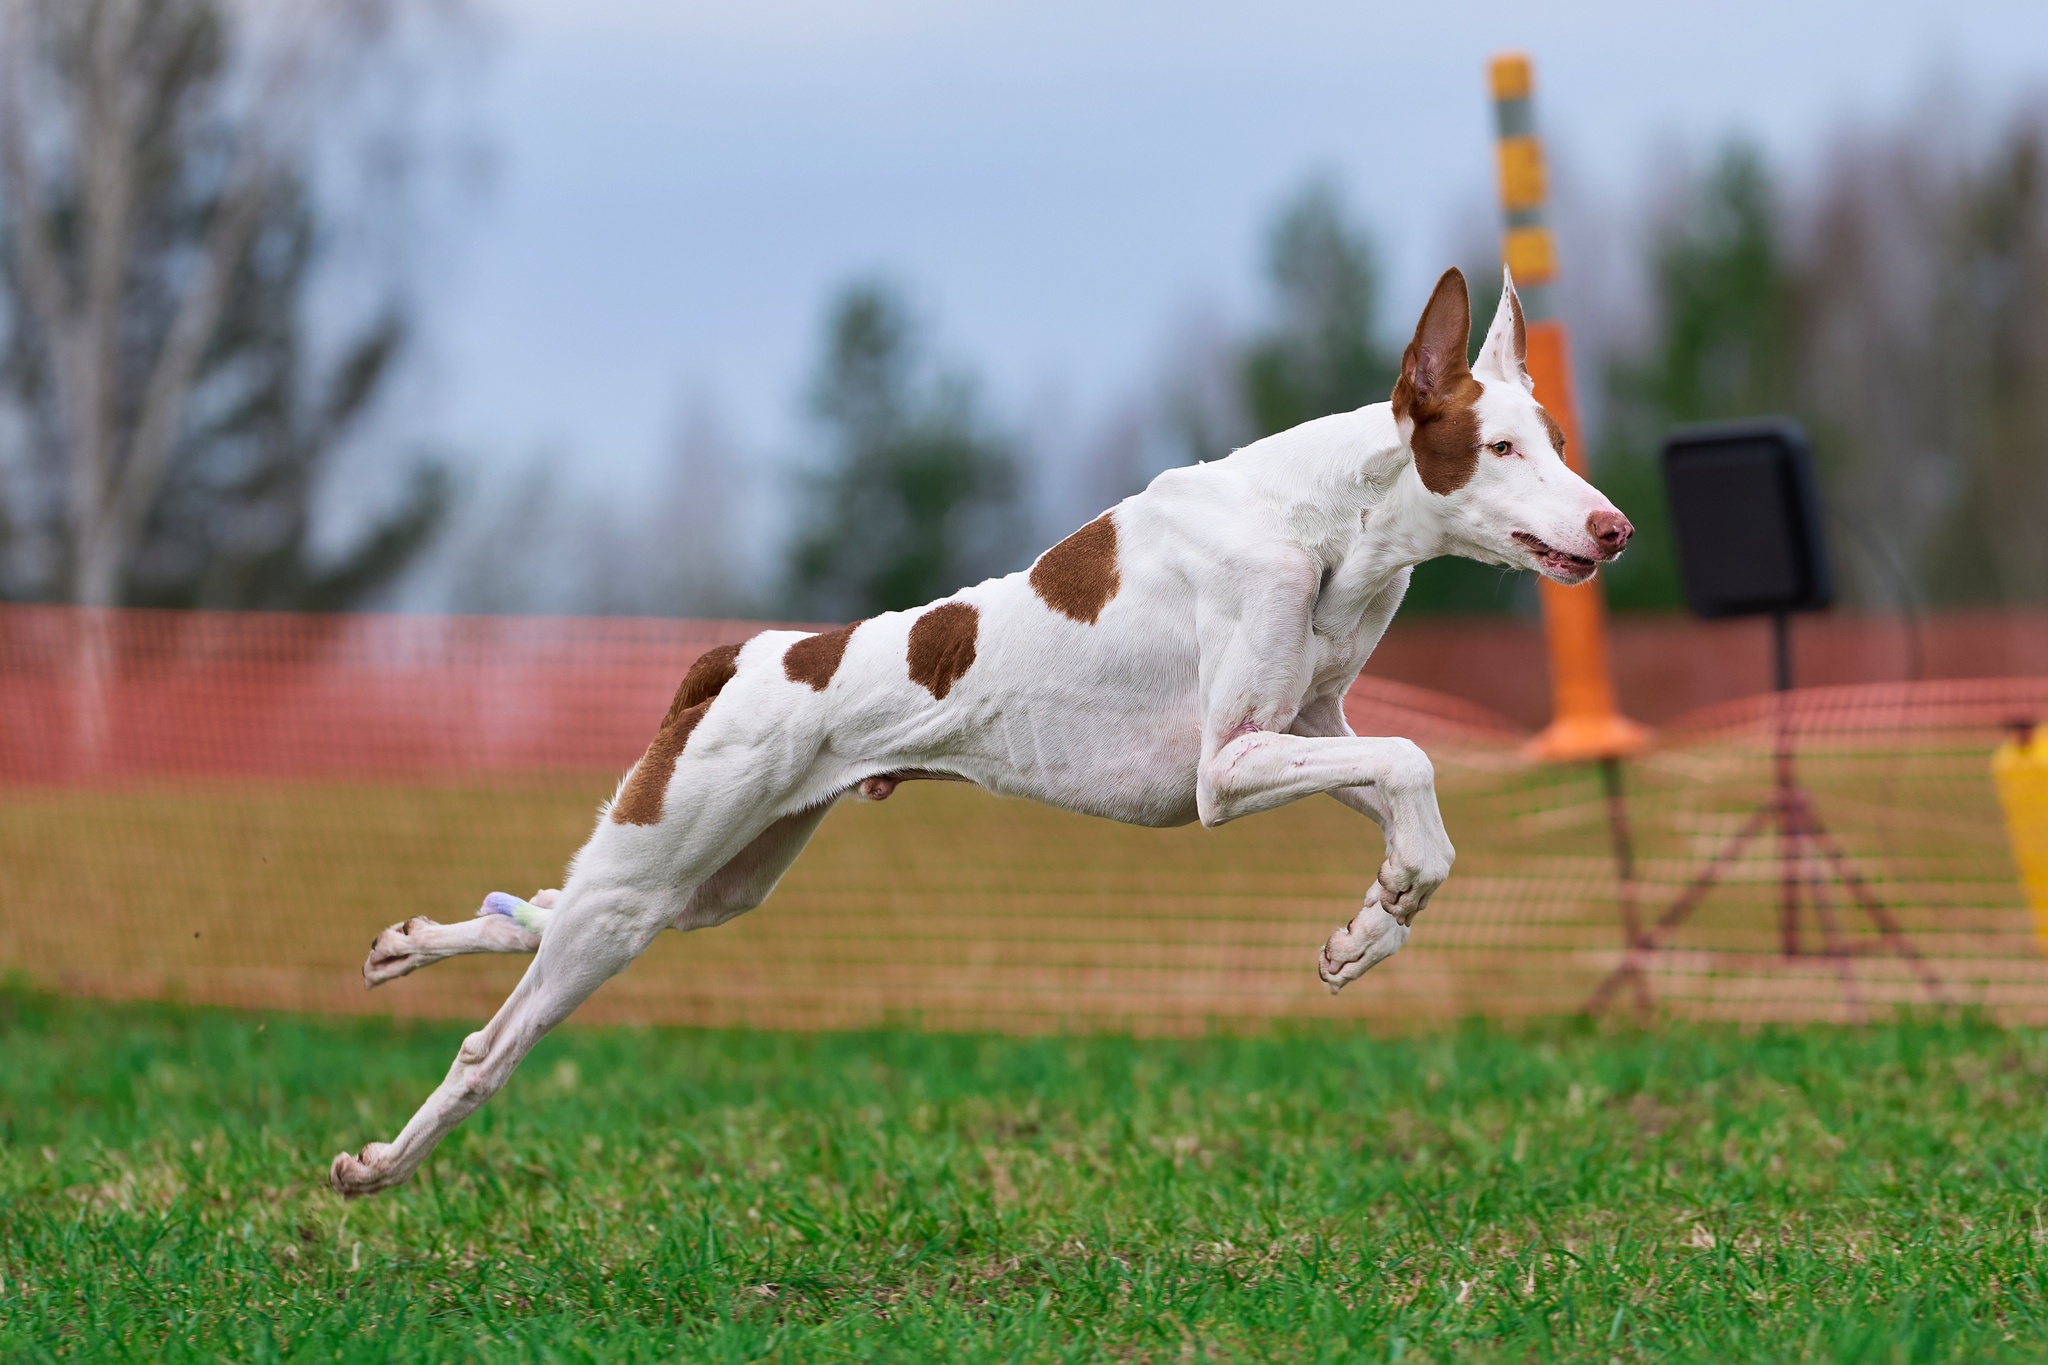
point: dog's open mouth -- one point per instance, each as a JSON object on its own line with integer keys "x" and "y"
{"x": 1554, "y": 562}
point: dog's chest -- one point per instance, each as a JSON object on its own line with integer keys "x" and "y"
{"x": 1337, "y": 645}
{"x": 1333, "y": 660}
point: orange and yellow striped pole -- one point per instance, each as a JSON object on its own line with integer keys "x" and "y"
{"x": 1586, "y": 723}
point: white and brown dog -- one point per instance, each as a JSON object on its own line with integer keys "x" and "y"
{"x": 1183, "y": 656}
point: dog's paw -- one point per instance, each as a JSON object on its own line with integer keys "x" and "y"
{"x": 393, "y": 953}
{"x": 1404, "y": 886}
{"x": 354, "y": 1175}
{"x": 1371, "y": 938}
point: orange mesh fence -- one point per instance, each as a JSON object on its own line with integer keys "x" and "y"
{"x": 225, "y": 808}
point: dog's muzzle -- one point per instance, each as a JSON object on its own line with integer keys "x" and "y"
{"x": 1555, "y": 562}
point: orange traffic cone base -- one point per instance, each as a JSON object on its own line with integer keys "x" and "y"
{"x": 1574, "y": 739}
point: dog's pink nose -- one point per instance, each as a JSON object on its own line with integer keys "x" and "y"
{"x": 1610, "y": 531}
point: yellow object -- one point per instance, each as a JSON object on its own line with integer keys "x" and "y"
{"x": 1510, "y": 77}
{"x": 1530, "y": 255}
{"x": 2020, "y": 771}
{"x": 1522, "y": 183}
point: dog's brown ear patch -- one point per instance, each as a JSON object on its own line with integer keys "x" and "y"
{"x": 647, "y": 787}
{"x": 1436, "y": 390}
{"x": 815, "y": 658}
{"x": 942, "y": 646}
{"x": 1556, "y": 432}
{"x": 1078, "y": 576}
{"x": 1446, "y": 440}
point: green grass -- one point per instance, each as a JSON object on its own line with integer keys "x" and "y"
{"x": 1563, "y": 1193}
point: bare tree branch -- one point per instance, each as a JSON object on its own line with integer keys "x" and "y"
{"x": 29, "y": 225}
{"x": 106, "y": 176}
{"x": 152, "y": 155}
{"x": 170, "y": 379}
{"x": 235, "y": 217}
{"x": 27, "y": 216}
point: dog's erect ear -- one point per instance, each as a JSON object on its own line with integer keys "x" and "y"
{"x": 1434, "y": 362}
{"x": 1436, "y": 392}
{"x": 1505, "y": 353}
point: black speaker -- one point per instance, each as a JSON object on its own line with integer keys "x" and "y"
{"x": 1746, "y": 514}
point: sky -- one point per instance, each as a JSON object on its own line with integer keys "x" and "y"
{"x": 679, "y": 187}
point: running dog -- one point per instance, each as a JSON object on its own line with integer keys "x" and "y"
{"x": 1182, "y": 657}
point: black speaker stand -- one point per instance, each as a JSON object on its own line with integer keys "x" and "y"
{"x": 1807, "y": 850}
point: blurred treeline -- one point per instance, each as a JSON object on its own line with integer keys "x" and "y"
{"x": 189, "y": 342}
{"x": 1897, "y": 304}
{"x": 203, "y": 339}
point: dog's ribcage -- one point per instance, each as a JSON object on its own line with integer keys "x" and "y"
{"x": 1102, "y": 716}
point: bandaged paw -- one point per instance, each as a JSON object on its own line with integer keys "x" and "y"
{"x": 1371, "y": 938}
{"x": 528, "y": 916}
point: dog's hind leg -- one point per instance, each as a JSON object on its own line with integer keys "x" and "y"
{"x": 746, "y": 880}
{"x": 728, "y": 810}
{"x": 505, "y": 924}
{"x": 600, "y": 925}
{"x": 624, "y": 891}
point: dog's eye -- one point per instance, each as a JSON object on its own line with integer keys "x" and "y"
{"x": 1501, "y": 447}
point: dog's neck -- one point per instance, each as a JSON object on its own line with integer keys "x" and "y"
{"x": 1347, "y": 488}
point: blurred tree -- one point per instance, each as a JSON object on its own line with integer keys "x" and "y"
{"x": 1322, "y": 354}
{"x": 1726, "y": 338}
{"x": 1724, "y": 345}
{"x": 1974, "y": 400}
{"x": 679, "y": 545}
{"x": 917, "y": 496}
{"x": 164, "y": 372}
{"x": 1904, "y": 322}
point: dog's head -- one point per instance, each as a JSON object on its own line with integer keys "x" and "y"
{"x": 1491, "y": 458}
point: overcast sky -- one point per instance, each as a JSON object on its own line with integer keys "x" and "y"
{"x": 681, "y": 185}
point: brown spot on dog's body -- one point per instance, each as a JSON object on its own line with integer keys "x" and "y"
{"x": 1556, "y": 432}
{"x": 1078, "y": 576}
{"x": 942, "y": 646}
{"x": 647, "y": 787}
{"x": 815, "y": 658}
{"x": 706, "y": 679}
{"x": 1436, "y": 390}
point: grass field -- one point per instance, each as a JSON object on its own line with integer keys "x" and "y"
{"x": 1562, "y": 1193}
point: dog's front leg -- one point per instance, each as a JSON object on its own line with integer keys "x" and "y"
{"x": 1266, "y": 743}
{"x": 1374, "y": 933}
{"x": 1403, "y": 879}
{"x": 1389, "y": 780}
